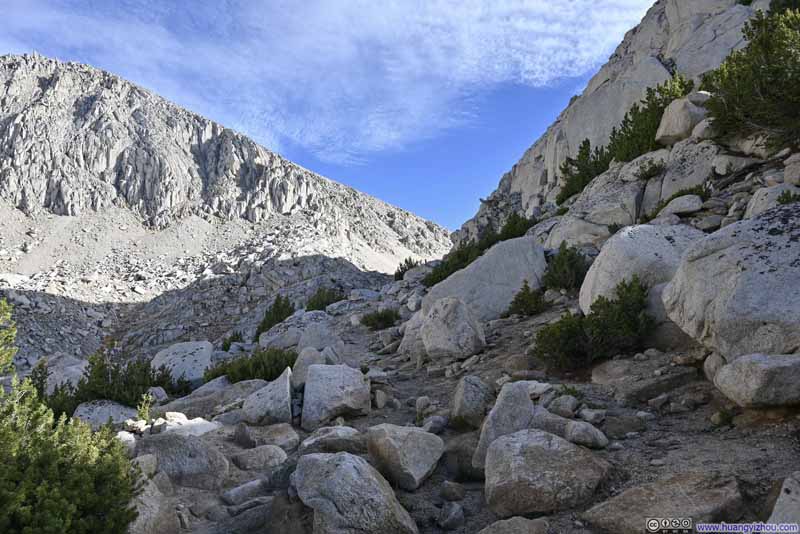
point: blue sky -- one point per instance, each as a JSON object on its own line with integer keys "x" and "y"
{"x": 422, "y": 103}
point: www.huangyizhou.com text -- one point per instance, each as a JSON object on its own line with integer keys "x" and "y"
{"x": 751, "y": 528}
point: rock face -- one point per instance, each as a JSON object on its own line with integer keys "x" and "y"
{"x": 186, "y": 361}
{"x": 691, "y": 37}
{"x": 348, "y": 496}
{"x": 488, "y": 285}
{"x": 331, "y": 391}
{"x": 761, "y": 380}
{"x": 702, "y": 497}
{"x": 405, "y": 455}
{"x": 450, "y": 331}
{"x": 187, "y": 460}
{"x": 533, "y": 471}
{"x": 117, "y": 143}
{"x": 735, "y": 291}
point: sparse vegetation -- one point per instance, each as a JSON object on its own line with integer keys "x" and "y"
{"x": 380, "y": 320}
{"x": 528, "y": 302}
{"x": 787, "y": 197}
{"x": 515, "y": 226}
{"x": 755, "y": 89}
{"x": 280, "y": 310}
{"x": 105, "y": 379}
{"x": 613, "y": 326}
{"x": 699, "y": 190}
{"x": 566, "y": 270}
{"x": 8, "y": 333}
{"x": 650, "y": 170}
{"x": 143, "y": 408}
{"x": 614, "y": 228}
{"x": 634, "y": 136}
{"x": 324, "y": 297}
{"x": 236, "y": 337}
{"x": 265, "y": 364}
{"x": 404, "y": 267}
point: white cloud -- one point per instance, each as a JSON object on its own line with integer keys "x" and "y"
{"x": 341, "y": 78}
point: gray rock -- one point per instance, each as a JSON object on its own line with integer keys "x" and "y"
{"x": 787, "y": 507}
{"x": 685, "y": 205}
{"x": 331, "y": 391}
{"x": 272, "y": 403}
{"x": 791, "y": 172}
{"x": 451, "y": 516}
{"x": 735, "y": 310}
{"x": 761, "y": 380}
{"x": 450, "y": 330}
{"x": 712, "y": 365}
{"x": 185, "y": 360}
{"x": 262, "y": 457}
{"x": 583, "y": 433}
{"x": 405, "y": 455}
{"x": 334, "y": 439}
{"x": 471, "y": 400}
{"x": 307, "y": 357}
{"x": 678, "y": 121}
{"x": 154, "y": 514}
{"x": 208, "y": 398}
{"x": 699, "y": 496}
{"x": 488, "y": 285}
{"x": 532, "y": 471}
{"x": 348, "y": 496}
{"x": 517, "y": 525}
{"x": 564, "y": 405}
{"x": 187, "y": 460}
{"x": 766, "y": 198}
{"x": 513, "y": 411}
{"x": 243, "y": 492}
{"x": 99, "y": 412}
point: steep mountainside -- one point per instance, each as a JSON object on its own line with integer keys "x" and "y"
{"x": 75, "y": 139}
{"x": 675, "y": 36}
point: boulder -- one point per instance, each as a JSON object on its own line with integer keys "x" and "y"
{"x": 683, "y": 205}
{"x": 766, "y": 198}
{"x": 405, "y": 455}
{"x": 761, "y": 380}
{"x": 586, "y": 434}
{"x": 787, "y": 507}
{"x": 488, "y": 285}
{"x": 451, "y": 331}
{"x": 532, "y": 471}
{"x": 272, "y": 403}
{"x": 513, "y": 411}
{"x": 690, "y": 163}
{"x": 154, "y": 514}
{"x": 205, "y": 400}
{"x": 791, "y": 171}
{"x": 699, "y": 496}
{"x": 678, "y": 121}
{"x": 99, "y": 412}
{"x": 307, "y": 357}
{"x": 187, "y": 460}
{"x": 348, "y": 496}
{"x": 262, "y": 457}
{"x": 334, "y": 439}
{"x": 471, "y": 399}
{"x": 186, "y": 361}
{"x": 736, "y": 290}
{"x": 635, "y": 381}
{"x": 517, "y": 525}
{"x": 331, "y": 391}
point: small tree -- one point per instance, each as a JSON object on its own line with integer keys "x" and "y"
{"x": 280, "y": 310}
{"x": 404, "y": 267}
{"x": 323, "y": 298}
{"x": 528, "y": 302}
{"x": 8, "y": 333}
{"x": 566, "y": 270}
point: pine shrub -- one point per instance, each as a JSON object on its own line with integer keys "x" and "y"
{"x": 566, "y": 269}
{"x": 235, "y": 337}
{"x": 650, "y": 170}
{"x": 755, "y": 90}
{"x": 380, "y": 320}
{"x": 563, "y": 344}
{"x": 280, "y": 310}
{"x": 323, "y": 298}
{"x": 528, "y": 302}
{"x": 404, "y": 267}
{"x": 8, "y": 333}
{"x": 787, "y": 197}
{"x": 267, "y": 364}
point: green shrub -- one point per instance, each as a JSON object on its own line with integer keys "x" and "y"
{"x": 634, "y": 136}
{"x": 619, "y": 325}
{"x": 613, "y": 228}
{"x": 563, "y": 210}
{"x": 280, "y": 310}
{"x": 528, "y": 302}
{"x": 266, "y": 364}
{"x": 323, "y": 298}
{"x": 143, "y": 408}
{"x": 566, "y": 270}
{"x": 699, "y": 190}
{"x": 755, "y": 89}
{"x": 612, "y": 327}
{"x": 105, "y": 379}
{"x": 460, "y": 257}
{"x": 236, "y": 337}
{"x": 380, "y": 320}
{"x": 56, "y": 475}
{"x": 8, "y": 333}
{"x": 650, "y": 170}
{"x": 787, "y": 197}
{"x": 404, "y": 267}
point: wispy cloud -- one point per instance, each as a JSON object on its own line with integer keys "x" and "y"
{"x": 340, "y": 78}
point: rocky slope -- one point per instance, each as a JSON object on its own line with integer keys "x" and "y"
{"x": 674, "y": 37}
{"x": 75, "y": 139}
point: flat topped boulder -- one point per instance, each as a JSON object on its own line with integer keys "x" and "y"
{"x": 488, "y": 285}
{"x": 761, "y": 380}
{"x": 187, "y": 361}
{"x": 100, "y": 412}
{"x": 638, "y": 381}
{"x": 450, "y": 330}
{"x": 405, "y": 455}
{"x": 532, "y": 471}
{"x": 331, "y": 391}
{"x": 272, "y": 403}
{"x": 699, "y": 496}
{"x": 736, "y": 291}
{"x": 349, "y": 496}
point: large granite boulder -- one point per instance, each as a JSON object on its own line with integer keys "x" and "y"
{"x": 99, "y": 412}
{"x": 513, "y": 411}
{"x": 187, "y": 460}
{"x": 766, "y": 198}
{"x": 532, "y": 471}
{"x": 488, "y": 285}
{"x": 331, "y": 391}
{"x": 186, "y": 361}
{"x": 272, "y": 403}
{"x": 736, "y": 290}
{"x": 451, "y": 331}
{"x": 761, "y": 380}
{"x": 678, "y": 121}
{"x": 471, "y": 399}
{"x": 405, "y": 455}
{"x": 348, "y": 496}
